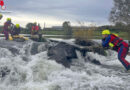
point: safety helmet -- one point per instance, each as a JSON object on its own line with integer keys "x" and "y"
{"x": 17, "y": 25}
{"x": 105, "y": 32}
{"x": 8, "y": 19}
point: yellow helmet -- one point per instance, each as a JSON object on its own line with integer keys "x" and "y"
{"x": 17, "y": 25}
{"x": 105, "y": 32}
{"x": 8, "y": 19}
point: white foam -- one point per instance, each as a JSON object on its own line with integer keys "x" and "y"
{"x": 41, "y": 73}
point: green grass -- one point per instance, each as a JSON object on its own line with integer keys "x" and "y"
{"x": 53, "y": 32}
{"x": 122, "y": 34}
{"x": 97, "y": 33}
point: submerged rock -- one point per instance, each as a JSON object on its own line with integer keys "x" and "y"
{"x": 12, "y": 46}
{"x": 14, "y": 50}
{"x": 96, "y": 62}
{"x": 92, "y": 60}
{"x": 34, "y": 48}
{"x": 38, "y": 47}
{"x": 4, "y": 71}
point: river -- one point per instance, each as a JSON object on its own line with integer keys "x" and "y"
{"x": 23, "y": 71}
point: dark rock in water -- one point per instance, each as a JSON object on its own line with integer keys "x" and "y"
{"x": 14, "y": 50}
{"x": 62, "y": 53}
{"x": 26, "y": 59}
{"x": 99, "y": 50}
{"x": 4, "y": 71}
{"x": 84, "y": 42}
{"x": 95, "y": 49}
{"x": 38, "y": 47}
{"x": 96, "y": 62}
{"x": 34, "y": 48}
{"x": 11, "y": 46}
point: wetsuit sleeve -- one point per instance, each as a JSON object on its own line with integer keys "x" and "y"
{"x": 105, "y": 42}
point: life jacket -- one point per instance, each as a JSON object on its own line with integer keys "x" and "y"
{"x": 115, "y": 41}
{"x": 36, "y": 28}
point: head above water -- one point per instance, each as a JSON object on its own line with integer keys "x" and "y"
{"x": 105, "y": 33}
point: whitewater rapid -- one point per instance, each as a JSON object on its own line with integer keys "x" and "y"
{"x": 38, "y": 72}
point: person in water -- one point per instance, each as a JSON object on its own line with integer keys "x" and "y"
{"x": 117, "y": 44}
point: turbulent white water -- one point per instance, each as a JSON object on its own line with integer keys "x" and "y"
{"x": 37, "y": 72}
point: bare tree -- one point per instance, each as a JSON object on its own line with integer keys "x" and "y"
{"x": 120, "y": 12}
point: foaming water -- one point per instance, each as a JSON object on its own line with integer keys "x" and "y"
{"x": 37, "y": 72}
